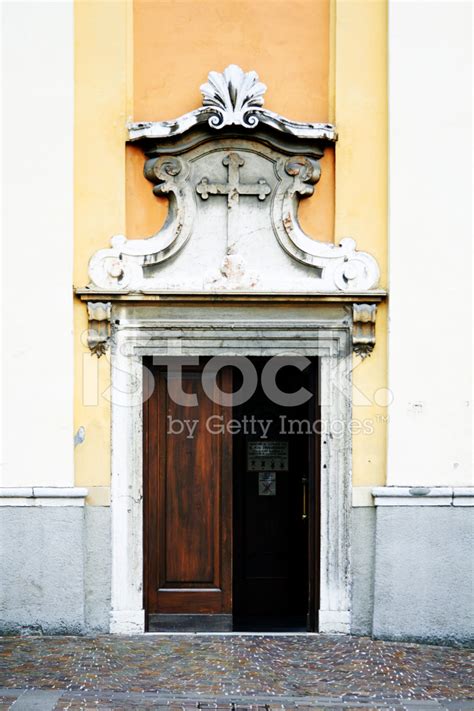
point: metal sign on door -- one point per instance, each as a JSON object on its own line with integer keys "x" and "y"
{"x": 267, "y": 484}
{"x": 267, "y": 455}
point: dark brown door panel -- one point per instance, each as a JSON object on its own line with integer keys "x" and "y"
{"x": 187, "y": 515}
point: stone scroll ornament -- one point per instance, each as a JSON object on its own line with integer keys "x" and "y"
{"x": 233, "y": 174}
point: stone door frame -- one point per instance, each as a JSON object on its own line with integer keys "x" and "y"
{"x": 307, "y": 329}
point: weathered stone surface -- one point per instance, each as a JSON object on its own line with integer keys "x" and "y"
{"x": 97, "y": 568}
{"x": 54, "y": 569}
{"x": 42, "y": 569}
{"x": 424, "y": 574}
{"x": 362, "y": 567}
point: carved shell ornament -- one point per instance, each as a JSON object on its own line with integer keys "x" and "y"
{"x": 231, "y": 98}
{"x": 262, "y": 164}
{"x": 234, "y": 95}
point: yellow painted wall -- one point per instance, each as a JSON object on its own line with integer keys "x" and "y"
{"x": 321, "y": 60}
{"x": 102, "y": 109}
{"x": 360, "y": 112}
{"x": 176, "y": 44}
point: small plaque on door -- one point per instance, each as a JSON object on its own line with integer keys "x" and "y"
{"x": 267, "y": 455}
{"x": 267, "y": 484}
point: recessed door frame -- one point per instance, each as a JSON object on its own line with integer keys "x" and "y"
{"x": 210, "y": 329}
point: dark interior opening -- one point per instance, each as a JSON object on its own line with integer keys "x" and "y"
{"x": 274, "y": 509}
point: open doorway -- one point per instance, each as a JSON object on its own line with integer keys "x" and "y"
{"x": 231, "y": 510}
{"x": 275, "y": 511}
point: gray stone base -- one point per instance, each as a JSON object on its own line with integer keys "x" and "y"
{"x": 362, "y": 566}
{"x": 424, "y": 567}
{"x": 97, "y": 569}
{"x": 412, "y": 571}
{"x": 54, "y": 569}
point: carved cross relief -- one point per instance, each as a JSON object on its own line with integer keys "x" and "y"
{"x": 233, "y": 188}
{"x": 257, "y": 244}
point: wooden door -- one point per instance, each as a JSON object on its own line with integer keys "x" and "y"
{"x": 187, "y": 507}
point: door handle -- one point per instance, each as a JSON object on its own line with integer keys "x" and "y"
{"x": 304, "y": 481}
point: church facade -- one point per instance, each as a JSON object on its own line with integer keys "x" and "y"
{"x": 243, "y": 413}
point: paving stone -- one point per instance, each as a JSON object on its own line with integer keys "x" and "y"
{"x": 36, "y": 700}
{"x": 237, "y": 673}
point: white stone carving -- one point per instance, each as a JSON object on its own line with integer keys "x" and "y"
{"x": 343, "y": 267}
{"x": 231, "y": 98}
{"x": 234, "y": 182}
{"x": 363, "y": 329}
{"x": 121, "y": 267}
{"x": 98, "y": 335}
{"x": 235, "y": 96}
{"x": 233, "y": 189}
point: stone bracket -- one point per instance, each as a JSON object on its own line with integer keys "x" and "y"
{"x": 98, "y": 335}
{"x": 363, "y": 332}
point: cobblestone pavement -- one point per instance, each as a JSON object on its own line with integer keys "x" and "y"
{"x": 231, "y": 673}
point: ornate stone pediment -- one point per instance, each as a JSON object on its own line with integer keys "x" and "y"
{"x": 234, "y": 174}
